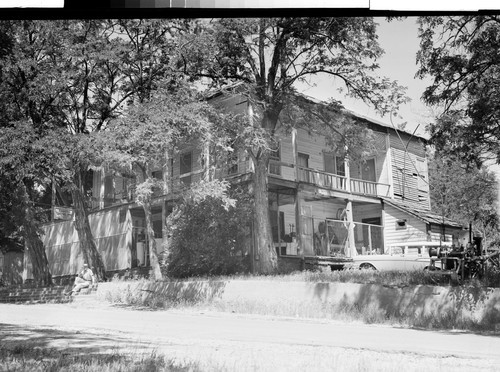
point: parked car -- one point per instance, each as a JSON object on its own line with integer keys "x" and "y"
{"x": 400, "y": 256}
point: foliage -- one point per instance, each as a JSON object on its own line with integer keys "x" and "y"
{"x": 265, "y": 57}
{"x": 209, "y": 231}
{"x": 461, "y": 55}
{"x": 464, "y": 193}
{"x": 78, "y": 75}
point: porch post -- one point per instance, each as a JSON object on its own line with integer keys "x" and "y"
{"x": 295, "y": 153}
{"x": 206, "y": 156}
{"x": 102, "y": 189}
{"x": 166, "y": 174}
{"x": 350, "y": 220}
{"x": 298, "y": 227}
{"x": 350, "y": 232}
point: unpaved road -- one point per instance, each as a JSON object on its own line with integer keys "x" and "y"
{"x": 231, "y": 342}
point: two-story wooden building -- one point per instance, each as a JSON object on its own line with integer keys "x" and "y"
{"x": 319, "y": 203}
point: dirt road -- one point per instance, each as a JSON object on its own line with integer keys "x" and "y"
{"x": 221, "y": 341}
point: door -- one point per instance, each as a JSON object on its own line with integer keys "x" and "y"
{"x": 303, "y": 161}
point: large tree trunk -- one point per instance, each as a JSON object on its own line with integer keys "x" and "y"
{"x": 90, "y": 253}
{"x": 34, "y": 245}
{"x": 153, "y": 255}
{"x": 266, "y": 259}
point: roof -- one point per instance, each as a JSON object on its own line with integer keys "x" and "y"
{"x": 422, "y": 213}
{"x": 216, "y": 92}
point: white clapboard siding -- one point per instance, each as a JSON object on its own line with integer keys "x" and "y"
{"x": 415, "y": 228}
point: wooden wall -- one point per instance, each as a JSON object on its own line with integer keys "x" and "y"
{"x": 416, "y": 229}
{"x": 112, "y": 234}
{"x": 409, "y": 169}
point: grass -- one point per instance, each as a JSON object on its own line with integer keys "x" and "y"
{"x": 27, "y": 357}
{"x": 30, "y": 357}
{"x": 464, "y": 316}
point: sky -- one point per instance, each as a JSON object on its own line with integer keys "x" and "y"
{"x": 400, "y": 41}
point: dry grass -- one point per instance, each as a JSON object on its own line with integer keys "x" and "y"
{"x": 229, "y": 358}
{"x": 461, "y": 317}
{"x": 26, "y": 357}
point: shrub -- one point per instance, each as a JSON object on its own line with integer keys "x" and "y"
{"x": 210, "y": 234}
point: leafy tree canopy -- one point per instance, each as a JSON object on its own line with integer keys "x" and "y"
{"x": 461, "y": 55}
{"x": 464, "y": 193}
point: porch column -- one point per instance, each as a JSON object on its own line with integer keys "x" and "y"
{"x": 206, "y": 158}
{"x": 298, "y": 227}
{"x": 166, "y": 174}
{"x": 350, "y": 220}
{"x": 295, "y": 153}
{"x": 350, "y": 232}
{"x": 102, "y": 189}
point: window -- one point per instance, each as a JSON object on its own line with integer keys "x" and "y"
{"x": 157, "y": 175}
{"x": 275, "y": 157}
{"x": 303, "y": 160}
{"x": 401, "y": 225}
{"x": 334, "y": 164}
{"x": 186, "y": 167}
{"x": 232, "y": 162}
{"x": 368, "y": 170}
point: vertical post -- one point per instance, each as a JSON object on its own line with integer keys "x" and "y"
{"x": 298, "y": 229}
{"x": 206, "y": 157}
{"x": 164, "y": 229}
{"x": 53, "y": 200}
{"x": 350, "y": 232}
{"x": 102, "y": 189}
{"x": 295, "y": 153}
{"x": 390, "y": 179}
{"x": 278, "y": 218}
{"x": 166, "y": 174}
{"x": 370, "y": 237}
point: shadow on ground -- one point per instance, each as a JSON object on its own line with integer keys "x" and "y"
{"x": 18, "y": 339}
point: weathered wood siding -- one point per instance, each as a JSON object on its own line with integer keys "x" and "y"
{"x": 361, "y": 212}
{"x": 455, "y": 235}
{"x": 112, "y": 233}
{"x": 409, "y": 169}
{"x": 416, "y": 229}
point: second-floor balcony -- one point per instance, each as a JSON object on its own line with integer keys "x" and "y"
{"x": 336, "y": 182}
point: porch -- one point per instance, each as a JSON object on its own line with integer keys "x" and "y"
{"x": 305, "y": 223}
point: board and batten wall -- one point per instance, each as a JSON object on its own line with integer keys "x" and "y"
{"x": 409, "y": 168}
{"x": 112, "y": 231}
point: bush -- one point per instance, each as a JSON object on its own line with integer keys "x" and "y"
{"x": 210, "y": 235}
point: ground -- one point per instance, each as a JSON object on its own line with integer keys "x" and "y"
{"x": 229, "y": 342}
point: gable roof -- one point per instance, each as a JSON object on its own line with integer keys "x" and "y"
{"x": 422, "y": 213}
{"x": 234, "y": 87}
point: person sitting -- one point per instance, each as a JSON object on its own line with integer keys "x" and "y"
{"x": 84, "y": 279}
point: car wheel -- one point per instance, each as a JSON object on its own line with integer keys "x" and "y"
{"x": 367, "y": 266}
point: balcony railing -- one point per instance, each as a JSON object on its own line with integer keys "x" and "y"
{"x": 322, "y": 179}
{"x": 369, "y": 188}
{"x": 336, "y": 182}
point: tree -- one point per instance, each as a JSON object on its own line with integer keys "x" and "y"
{"x": 267, "y": 57}
{"x": 139, "y": 141}
{"x": 24, "y": 166}
{"x": 79, "y": 75}
{"x": 464, "y": 193}
{"x": 462, "y": 56}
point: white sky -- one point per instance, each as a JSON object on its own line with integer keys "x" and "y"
{"x": 400, "y": 41}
